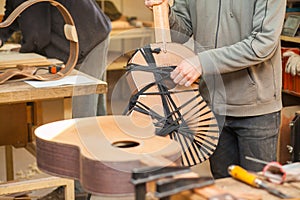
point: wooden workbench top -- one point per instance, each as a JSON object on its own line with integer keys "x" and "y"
{"x": 13, "y": 92}
{"x": 243, "y": 190}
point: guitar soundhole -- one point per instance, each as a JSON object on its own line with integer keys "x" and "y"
{"x": 125, "y": 144}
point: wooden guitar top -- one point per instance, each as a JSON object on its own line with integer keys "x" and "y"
{"x": 102, "y": 151}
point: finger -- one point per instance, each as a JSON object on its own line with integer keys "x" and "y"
{"x": 181, "y": 74}
{"x": 288, "y": 54}
{"x": 288, "y": 66}
{"x": 191, "y": 80}
{"x": 175, "y": 72}
{"x": 148, "y": 4}
{"x": 178, "y": 78}
{"x": 189, "y": 77}
{"x": 293, "y": 69}
{"x": 151, "y": 3}
{"x": 183, "y": 81}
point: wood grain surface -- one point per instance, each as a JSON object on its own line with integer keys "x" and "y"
{"x": 177, "y": 105}
{"x": 13, "y": 59}
{"x": 102, "y": 151}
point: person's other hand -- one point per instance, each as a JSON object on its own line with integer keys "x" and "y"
{"x": 187, "y": 72}
{"x": 293, "y": 63}
{"x": 150, "y": 3}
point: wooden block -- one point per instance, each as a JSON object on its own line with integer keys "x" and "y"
{"x": 13, "y": 59}
{"x": 13, "y": 124}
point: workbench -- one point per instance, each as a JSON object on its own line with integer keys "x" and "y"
{"x": 24, "y": 107}
{"x": 228, "y": 185}
{"x": 240, "y": 191}
{"x": 243, "y": 190}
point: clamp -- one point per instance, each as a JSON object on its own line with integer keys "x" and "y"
{"x": 168, "y": 185}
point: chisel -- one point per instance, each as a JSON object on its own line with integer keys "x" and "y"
{"x": 243, "y": 175}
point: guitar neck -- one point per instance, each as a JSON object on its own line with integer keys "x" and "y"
{"x": 161, "y": 23}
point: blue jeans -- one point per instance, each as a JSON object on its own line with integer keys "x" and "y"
{"x": 245, "y": 136}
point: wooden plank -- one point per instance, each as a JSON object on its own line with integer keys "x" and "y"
{"x": 9, "y": 47}
{"x": 9, "y": 162}
{"x": 243, "y": 190}
{"x": 13, "y": 124}
{"x": 13, "y": 58}
{"x": 67, "y": 108}
{"x": 290, "y": 39}
{"x": 20, "y": 91}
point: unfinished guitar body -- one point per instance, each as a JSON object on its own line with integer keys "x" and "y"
{"x": 102, "y": 151}
{"x": 26, "y": 71}
{"x": 178, "y": 112}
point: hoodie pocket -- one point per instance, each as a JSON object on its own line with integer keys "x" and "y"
{"x": 231, "y": 8}
{"x": 240, "y": 88}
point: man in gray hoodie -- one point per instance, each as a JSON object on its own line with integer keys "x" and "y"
{"x": 238, "y": 60}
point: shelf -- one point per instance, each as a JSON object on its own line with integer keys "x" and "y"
{"x": 290, "y": 39}
{"x": 291, "y": 93}
{"x": 293, "y": 1}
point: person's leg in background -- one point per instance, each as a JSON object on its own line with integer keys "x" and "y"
{"x": 87, "y": 106}
{"x": 101, "y": 108}
{"x": 94, "y": 65}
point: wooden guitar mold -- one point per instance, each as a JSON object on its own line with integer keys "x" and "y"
{"x": 102, "y": 151}
{"x": 178, "y": 112}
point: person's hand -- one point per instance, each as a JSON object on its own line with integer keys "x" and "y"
{"x": 293, "y": 63}
{"x": 150, "y": 3}
{"x": 187, "y": 72}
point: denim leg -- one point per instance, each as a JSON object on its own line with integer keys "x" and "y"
{"x": 225, "y": 154}
{"x": 258, "y": 139}
{"x": 246, "y": 136}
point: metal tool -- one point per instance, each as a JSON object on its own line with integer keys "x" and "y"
{"x": 140, "y": 177}
{"x": 243, "y": 175}
{"x": 273, "y": 171}
{"x": 168, "y": 187}
{"x": 277, "y": 173}
{"x": 256, "y": 160}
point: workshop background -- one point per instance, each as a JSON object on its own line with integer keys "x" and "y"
{"x": 135, "y": 15}
{"x": 24, "y": 162}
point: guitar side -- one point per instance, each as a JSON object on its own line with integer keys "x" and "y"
{"x": 101, "y": 151}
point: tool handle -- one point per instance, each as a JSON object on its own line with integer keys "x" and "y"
{"x": 161, "y": 22}
{"x": 241, "y": 174}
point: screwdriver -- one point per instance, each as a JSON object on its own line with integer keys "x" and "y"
{"x": 243, "y": 175}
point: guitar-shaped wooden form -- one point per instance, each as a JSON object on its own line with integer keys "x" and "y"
{"x": 30, "y": 71}
{"x": 178, "y": 112}
{"x": 102, "y": 151}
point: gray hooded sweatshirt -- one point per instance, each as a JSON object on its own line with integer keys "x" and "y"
{"x": 238, "y": 44}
